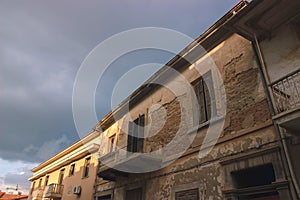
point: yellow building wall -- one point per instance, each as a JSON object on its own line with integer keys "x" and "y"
{"x": 69, "y": 182}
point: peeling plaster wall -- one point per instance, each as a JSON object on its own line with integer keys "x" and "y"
{"x": 281, "y": 51}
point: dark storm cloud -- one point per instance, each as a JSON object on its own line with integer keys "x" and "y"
{"x": 35, "y": 90}
{"x": 42, "y": 46}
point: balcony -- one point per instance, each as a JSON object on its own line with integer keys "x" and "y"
{"x": 121, "y": 163}
{"x": 53, "y": 191}
{"x": 286, "y": 99}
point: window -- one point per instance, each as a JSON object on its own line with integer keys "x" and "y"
{"x": 61, "y": 176}
{"x": 192, "y": 194}
{"x": 86, "y": 167}
{"x": 253, "y": 179}
{"x": 206, "y": 101}
{"x": 106, "y": 197}
{"x": 111, "y": 144}
{"x": 135, "y": 141}
{"x": 40, "y": 182}
{"x": 72, "y": 170}
{"x": 46, "y": 180}
{"x": 135, "y": 194}
{"x": 255, "y": 176}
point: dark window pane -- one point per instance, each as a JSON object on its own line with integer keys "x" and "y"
{"x": 135, "y": 141}
{"x": 130, "y": 137}
{"x": 87, "y": 167}
{"x": 135, "y": 194}
{"x": 46, "y": 180}
{"x": 255, "y": 176}
{"x": 106, "y": 197}
{"x": 72, "y": 170}
{"x": 61, "y": 176}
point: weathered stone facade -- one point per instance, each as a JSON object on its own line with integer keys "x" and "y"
{"x": 248, "y": 159}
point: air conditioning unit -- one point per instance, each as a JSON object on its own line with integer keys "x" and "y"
{"x": 77, "y": 190}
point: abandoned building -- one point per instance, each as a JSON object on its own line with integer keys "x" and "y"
{"x": 222, "y": 124}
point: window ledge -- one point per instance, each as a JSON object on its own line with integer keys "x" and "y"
{"x": 213, "y": 120}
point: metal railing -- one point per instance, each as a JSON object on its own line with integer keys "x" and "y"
{"x": 114, "y": 155}
{"x": 286, "y": 92}
{"x": 53, "y": 190}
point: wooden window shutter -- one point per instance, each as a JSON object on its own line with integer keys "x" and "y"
{"x": 199, "y": 90}
{"x": 135, "y": 141}
{"x": 135, "y": 135}
{"x": 130, "y": 137}
{"x": 140, "y": 142}
{"x": 209, "y": 95}
{"x": 192, "y": 194}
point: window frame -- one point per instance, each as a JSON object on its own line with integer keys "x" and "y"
{"x": 86, "y": 170}
{"x": 61, "y": 176}
{"x": 112, "y": 145}
{"x": 40, "y": 182}
{"x": 108, "y": 196}
{"x": 46, "y": 180}
{"x": 202, "y": 87}
{"x": 199, "y": 185}
{"x": 135, "y": 139}
{"x": 72, "y": 169}
{"x": 139, "y": 190}
{"x": 186, "y": 191}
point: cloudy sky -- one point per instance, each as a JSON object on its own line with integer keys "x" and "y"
{"x": 42, "y": 45}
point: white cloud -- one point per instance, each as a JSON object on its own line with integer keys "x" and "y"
{"x": 15, "y": 173}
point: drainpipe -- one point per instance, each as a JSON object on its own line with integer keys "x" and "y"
{"x": 262, "y": 68}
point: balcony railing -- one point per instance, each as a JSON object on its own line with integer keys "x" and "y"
{"x": 286, "y": 92}
{"x": 117, "y": 156}
{"x": 53, "y": 191}
{"x": 119, "y": 161}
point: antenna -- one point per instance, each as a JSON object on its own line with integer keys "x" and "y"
{"x": 12, "y": 188}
